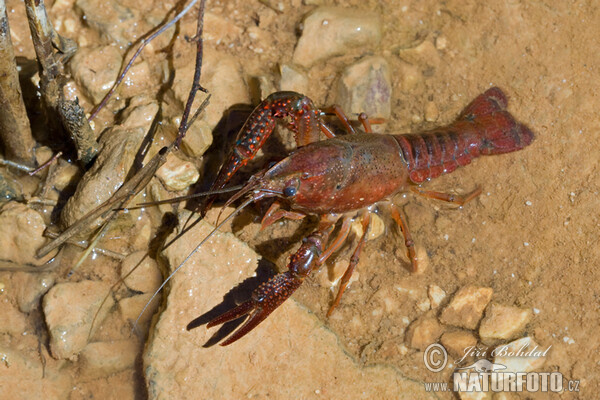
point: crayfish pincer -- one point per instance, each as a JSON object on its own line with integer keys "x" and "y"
{"x": 343, "y": 177}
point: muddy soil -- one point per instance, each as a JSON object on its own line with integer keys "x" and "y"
{"x": 531, "y": 236}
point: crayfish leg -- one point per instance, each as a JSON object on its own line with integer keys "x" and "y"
{"x": 447, "y": 197}
{"x": 275, "y": 213}
{"x": 399, "y": 216}
{"x": 366, "y": 224}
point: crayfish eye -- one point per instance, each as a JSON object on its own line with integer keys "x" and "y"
{"x": 290, "y": 191}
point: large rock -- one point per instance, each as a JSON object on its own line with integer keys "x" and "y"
{"x": 21, "y": 234}
{"x": 334, "y": 31}
{"x": 69, "y": 309}
{"x": 271, "y": 361}
{"x": 366, "y": 87}
{"x": 466, "y": 308}
{"x": 503, "y": 323}
{"x": 120, "y": 146}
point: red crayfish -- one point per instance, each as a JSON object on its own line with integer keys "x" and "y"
{"x": 346, "y": 176}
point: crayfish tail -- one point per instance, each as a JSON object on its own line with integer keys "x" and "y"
{"x": 499, "y": 131}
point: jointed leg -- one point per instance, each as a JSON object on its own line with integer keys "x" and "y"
{"x": 366, "y": 224}
{"x": 400, "y": 217}
{"x": 339, "y": 240}
{"x": 447, "y": 197}
{"x": 275, "y": 213}
{"x": 337, "y": 110}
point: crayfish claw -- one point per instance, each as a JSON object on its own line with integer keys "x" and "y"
{"x": 264, "y": 301}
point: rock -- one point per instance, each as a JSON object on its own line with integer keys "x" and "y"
{"x": 422, "y": 260}
{"x": 474, "y": 387}
{"x": 146, "y": 277}
{"x": 431, "y": 112}
{"x": 425, "y": 55}
{"x": 119, "y": 147}
{"x": 198, "y": 138}
{"x": 377, "y": 227}
{"x": 21, "y": 234}
{"x": 334, "y": 31}
{"x": 69, "y": 309}
{"x": 503, "y": 322}
{"x": 365, "y": 87}
{"x": 131, "y": 308}
{"x": 410, "y": 76}
{"x": 221, "y": 74}
{"x": 8, "y": 189}
{"x": 436, "y": 295}
{"x": 138, "y": 81}
{"x": 101, "y": 359}
{"x": 177, "y": 174}
{"x": 292, "y": 78}
{"x": 26, "y": 375}
{"x": 66, "y": 174}
{"x": 456, "y": 342}
{"x": 117, "y": 21}
{"x": 466, "y": 308}
{"x": 176, "y": 363}
{"x": 13, "y": 322}
{"x": 31, "y": 287}
{"x": 95, "y": 69}
{"x": 522, "y": 355}
{"x": 423, "y": 332}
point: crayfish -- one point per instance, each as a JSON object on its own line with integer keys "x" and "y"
{"x": 346, "y": 176}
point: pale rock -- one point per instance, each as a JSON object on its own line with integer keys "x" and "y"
{"x": 13, "y": 321}
{"x": 197, "y": 139}
{"x": 122, "y": 22}
{"x": 101, "y": 359}
{"x": 95, "y": 70}
{"x": 422, "y": 260}
{"x": 219, "y": 29}
{"x": 69, "y": 309}
{"x": 424, "y": 55}
{"x": 140, "y": 113}
{"x": 515, "y": 358}
{"x": 131, "y": 308}
{"x": 457, "y": 341}
{"x": 222, "y": 75}
{"x": 140, "y": 272}
{"x": 503, "y": 323}
{"x": 176, "y": 363}
{"x": 292, "y": 78}
{"x": 410, "y": 76}
{"x": 376, "y": 229}
{"x": 431, "y": 112}
{"x": 466, "y": 308}
{"x": 424, "y": 305}
{"x": 120, "y": 146}
{"x": 66, "y": 174}
{"x": 365, "y": 87}
{"x": 21, "y": 234}
{"x": 137, "y": 81}
{"x": 26, "y": 375}
{"x": 423, "y": 332}
{"x": 266, "y": 86}
{"x": 31, "y": 288}
{"x": 177, "y": 174}
{"x": 334, "y": 31}
{"x": 475, "y": 394}
{"x": 436, "y": 295}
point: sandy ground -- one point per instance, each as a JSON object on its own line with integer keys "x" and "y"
{"x": 531, "y": 236}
